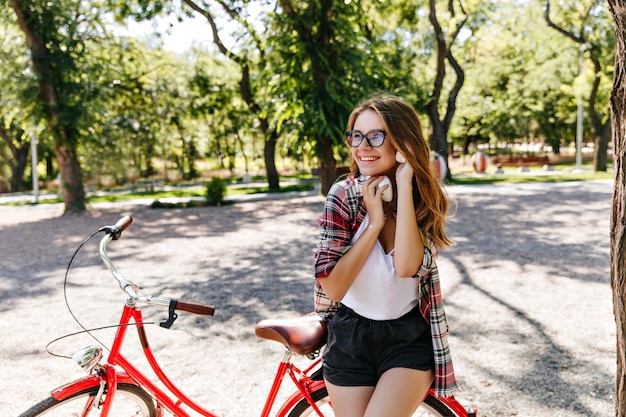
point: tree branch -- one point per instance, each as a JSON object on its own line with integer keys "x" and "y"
{"x": 546, "y": 14}
{"x": 216, "y": 36}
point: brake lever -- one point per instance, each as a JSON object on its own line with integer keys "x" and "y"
{"x": 172, "y": 317}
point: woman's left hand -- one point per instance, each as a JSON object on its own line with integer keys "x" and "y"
{"x": 404, "y": 175}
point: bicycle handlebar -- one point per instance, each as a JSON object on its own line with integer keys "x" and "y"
{"x": 114, "y": 233}
{"x": 124, "y": 222}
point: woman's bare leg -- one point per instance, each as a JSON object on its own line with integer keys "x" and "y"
{"x": 398, "y": 393}
{"x": 349, "y": 401}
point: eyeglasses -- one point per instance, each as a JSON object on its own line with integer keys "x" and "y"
{"x": 375, "y": 138}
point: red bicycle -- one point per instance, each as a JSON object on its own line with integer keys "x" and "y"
{"x": 117, "y": 388}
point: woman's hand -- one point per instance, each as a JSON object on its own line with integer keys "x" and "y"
{"x": 373, "y": 200}
{"x": 345, "y": 271}
{"x": 404, "y": 176}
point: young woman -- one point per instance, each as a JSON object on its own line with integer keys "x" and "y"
{"x": 375, "y": 269}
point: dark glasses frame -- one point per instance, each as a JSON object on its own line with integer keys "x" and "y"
{"x": 355, "y": 137}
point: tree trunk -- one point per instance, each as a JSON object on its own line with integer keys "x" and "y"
{"x": 618, "y": 217}
{"x": 601, "y": 131}
{"x": 18, "y": 167}
{"x": 269, "y": 153}
{"x": 328, "y": 166}
{"x": 601, "y": 148}
{"x": 439, "y": 128}
{"x": 72, "y": 181}
{"x": 17, "y": 159}
{"x": 438, "y": 135}
{"x": 600, "y": 134}
{"x": 246, "y": 91}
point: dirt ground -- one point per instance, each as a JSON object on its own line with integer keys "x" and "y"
{"x": 526, "y": 290}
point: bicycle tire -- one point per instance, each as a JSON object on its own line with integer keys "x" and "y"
{"x": 129, "y": 398}
{"x": 431, "y": 407}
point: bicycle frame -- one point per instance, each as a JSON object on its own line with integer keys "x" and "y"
{"x": 132, "y": 315}
{"x": 173, "y": 402}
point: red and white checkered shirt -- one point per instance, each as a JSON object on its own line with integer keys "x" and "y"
{"x": 343, "y": 213}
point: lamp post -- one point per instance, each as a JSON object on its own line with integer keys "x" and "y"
{"x": 33, "y": 159}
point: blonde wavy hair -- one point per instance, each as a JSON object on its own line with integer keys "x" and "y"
{"x": 404, "y": 131}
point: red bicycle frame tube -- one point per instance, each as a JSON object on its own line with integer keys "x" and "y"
{"x": 132, "y": 375}
{"x": 72, "y": 388}
{"x": 297, "y": 396}
{"x": 301, "y": 379}
{"x": 452, "y": 404}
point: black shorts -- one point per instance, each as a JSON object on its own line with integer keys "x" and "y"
{"x": 360, "y": 350}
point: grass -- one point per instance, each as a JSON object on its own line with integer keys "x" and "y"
{"x": 187, "y": 192}
{"x": 304, "y": 186}
{"x": 519, "y": 178}
{"x": 197, "y": 192}
{"x": 156, "y": 195}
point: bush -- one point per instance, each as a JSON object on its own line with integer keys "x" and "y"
{"x": 215, "y": 191}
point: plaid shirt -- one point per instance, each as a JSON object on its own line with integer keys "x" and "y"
{"x": 343, "y": 213}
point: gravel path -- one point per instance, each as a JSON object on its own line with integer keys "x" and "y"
{"x": 526, "y": 289}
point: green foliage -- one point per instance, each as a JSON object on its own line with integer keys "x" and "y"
{"x": 214, "y": 98}
{"x": 138, "y": 10}
{"x": 132, "y": 110}
{"x": 323, "y": 64}
{"x": 59, "y": 28}
{"x": 521, "y": 77}
{"x": 215, "y": 191}
{"x": 18, "y": 100}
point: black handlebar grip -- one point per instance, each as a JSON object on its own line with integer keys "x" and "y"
{"x": 202, "y": 309}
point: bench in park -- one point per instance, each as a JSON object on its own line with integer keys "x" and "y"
{"x": 145, "y": 185}
{"x": 508, "y": 161}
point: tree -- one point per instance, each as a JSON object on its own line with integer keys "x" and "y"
{"x": 215, "y": 99}
{"x": 618, "y": 217}
{"x": 249, "y": 89}
{"x": 520, "y": 81}
{"x": 54, "y": 42}
{"x": 329, "y": 64}
{"x": 583, "y": 25}
{"x": 16, "y": 93}
{"x": 440, "y": 126}
{"x": 134, "y": 117}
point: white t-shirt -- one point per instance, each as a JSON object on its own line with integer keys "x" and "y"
{"x": 378, "y": 293}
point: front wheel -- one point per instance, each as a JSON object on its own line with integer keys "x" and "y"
{"x": 130, "y": 400}
{"x": 431, "y": 407}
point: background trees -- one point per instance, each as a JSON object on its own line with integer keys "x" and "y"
{"x": 584, "y": 23}
{"x": 280, "y": 80}
{"x": 522, "y": 87}
{"x": 52, "y": 32}
{"x": 15, "y": 90}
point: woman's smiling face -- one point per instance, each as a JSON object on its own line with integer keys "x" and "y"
{"x": 372, "y": 161}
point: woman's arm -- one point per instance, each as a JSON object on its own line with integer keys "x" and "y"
{"x": 408, "y": 245}
{"x": 345, "y": 271}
